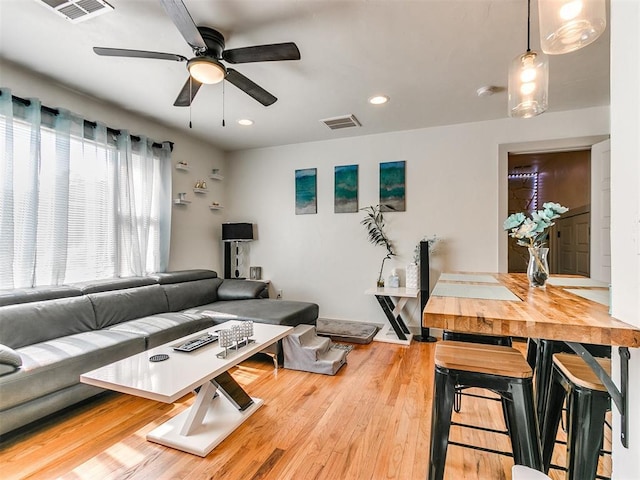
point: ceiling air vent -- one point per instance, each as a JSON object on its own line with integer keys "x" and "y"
{"x": 77, "y": 10}
{"x": 345, "y": 121}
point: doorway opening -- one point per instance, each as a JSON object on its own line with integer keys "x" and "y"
{"x": 562, "y": 177}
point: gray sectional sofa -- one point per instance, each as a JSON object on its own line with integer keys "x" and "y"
{"x": 49, "y": 336}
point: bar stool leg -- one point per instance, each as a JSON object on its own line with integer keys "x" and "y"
{"x": 440, "y": 423}
{"x": 532, "y": 352}
{"x": 551, "y": 419}
{"x": 544, "y": 366}
{"x": 510, "y": 421}
{"x": 526, "y": 419}
{"x": 585, "y": 431}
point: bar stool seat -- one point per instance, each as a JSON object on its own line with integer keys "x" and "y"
{"x": 587, "y": 405}
{"x": 500, "y": 369}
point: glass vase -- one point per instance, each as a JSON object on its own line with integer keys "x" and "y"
{"x": 538, "y": 268}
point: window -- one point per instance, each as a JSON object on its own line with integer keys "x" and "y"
{"x": 77, "y": 202}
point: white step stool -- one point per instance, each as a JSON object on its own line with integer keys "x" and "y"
{"x": 304, "y": 350}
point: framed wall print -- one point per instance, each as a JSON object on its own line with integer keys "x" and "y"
{"x": 306, "y": 191}
{"x": 346, "y": 189}
{"x": 392, "y": 186}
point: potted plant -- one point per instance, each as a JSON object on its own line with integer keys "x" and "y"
{"x": 531, "y": 232}
{"x": 374, "y": 223}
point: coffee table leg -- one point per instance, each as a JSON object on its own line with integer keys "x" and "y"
{"x": 199, "y": 408}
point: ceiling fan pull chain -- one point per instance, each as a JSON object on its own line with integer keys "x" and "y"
{"x": 190, "y": 99}
{"x": 223, "y": 104}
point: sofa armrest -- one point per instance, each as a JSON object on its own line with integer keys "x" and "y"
{"x": 10, "y": 360}
{"x": 233, "y": 289}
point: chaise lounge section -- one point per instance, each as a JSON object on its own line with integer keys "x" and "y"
{"x": 50, "y": 336}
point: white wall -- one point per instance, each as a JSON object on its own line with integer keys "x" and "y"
{"x": 625, "y": 211}
{"x": 452, "y": 191}
{"x": 195, "y": 230}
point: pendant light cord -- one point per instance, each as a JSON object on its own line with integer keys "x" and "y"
{"x": 528, "y": 25}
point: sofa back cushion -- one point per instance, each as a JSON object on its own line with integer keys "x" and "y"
{"x": 109, "y": 284}
{"x": 180, "y": 276}
{"x": 37, "y": 294}
{"x": 28, "y": 323}
{"x": 191, "y": 293}
{"x": 116, "y": 306}
{"x": 234, "y": 289}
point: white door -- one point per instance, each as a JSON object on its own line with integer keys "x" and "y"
{"x": 601, "y": 211}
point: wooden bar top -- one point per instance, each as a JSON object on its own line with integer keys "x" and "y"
{"x": 552, "y": 313}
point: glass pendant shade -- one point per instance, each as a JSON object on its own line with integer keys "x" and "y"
{"x": 206, "y": 70}
{"x": 567, "y": 25}
{"x": 528, "y": 85}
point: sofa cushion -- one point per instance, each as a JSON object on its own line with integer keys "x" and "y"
{"x": 29, "y": 323}
{"x": 10, "y": 361}
{"x": 164, "y": 327}
{"x": 181, "y": 296}
{"x": 110, "y": 284}
{"x": 183, "y": 276}
{"x": 232, "y": 289}
{"x": 118, "y": 306}
{"x": 37, "y": 294}
{"x": 277, "y": 312}
{"x": 55, "y": 364}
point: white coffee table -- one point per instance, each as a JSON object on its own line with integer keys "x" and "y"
{"x": 209, "y": 420}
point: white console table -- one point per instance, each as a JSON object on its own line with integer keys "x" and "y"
{"x": 392, "y": 301}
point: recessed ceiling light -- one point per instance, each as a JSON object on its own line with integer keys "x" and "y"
{"x": 245, "y": 122}
{"x": 378, "y": 100}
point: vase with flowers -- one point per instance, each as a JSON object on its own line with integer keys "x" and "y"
{"x": 531, "y": 232}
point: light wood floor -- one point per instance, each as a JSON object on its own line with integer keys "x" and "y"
{"x": 371, "y": 421}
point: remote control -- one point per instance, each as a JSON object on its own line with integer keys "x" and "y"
{"x": 194, "y": 343}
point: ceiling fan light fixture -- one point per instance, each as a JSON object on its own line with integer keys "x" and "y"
{"x": 568, "y": 25}
{"x": 206, "y": 70}
{"x": 528, "y": 80}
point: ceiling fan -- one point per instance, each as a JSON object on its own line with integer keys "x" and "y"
{"x": 206, "y": 66}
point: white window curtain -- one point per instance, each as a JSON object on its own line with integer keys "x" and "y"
{"x": 76, "y": 202}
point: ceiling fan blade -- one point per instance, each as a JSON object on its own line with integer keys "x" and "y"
{"x": 182, "y": 19}
{"x": 122, "y": 52}
{"x": 188, "y": 93}
{"x": 263, "y": 53}
{"x": 250, "y": 88}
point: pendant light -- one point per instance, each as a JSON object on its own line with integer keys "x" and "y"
{"x": 568, "y": 25}
{"x": 528, "y": 80}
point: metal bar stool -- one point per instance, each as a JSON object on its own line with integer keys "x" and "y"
{"x": 587, "y": 405}
{"x": 546, "y": 349}
{"x": 500, "y": 369}
{"x": 473, "y": 338}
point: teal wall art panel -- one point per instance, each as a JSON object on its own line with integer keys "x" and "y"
{"x": 306, "y": 191}
{"x": 392, "y": 186}
{"x": 346, "y": 189}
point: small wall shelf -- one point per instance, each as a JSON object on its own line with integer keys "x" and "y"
{"x": 177, "y": 201}
{"x": 216, "y": 207}
{"x": 215, "y": 176}
{"x": 182, "y": 166}
{"x": 200, "y": 190}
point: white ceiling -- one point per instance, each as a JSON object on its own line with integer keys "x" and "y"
{"x": 428, "y": 56}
